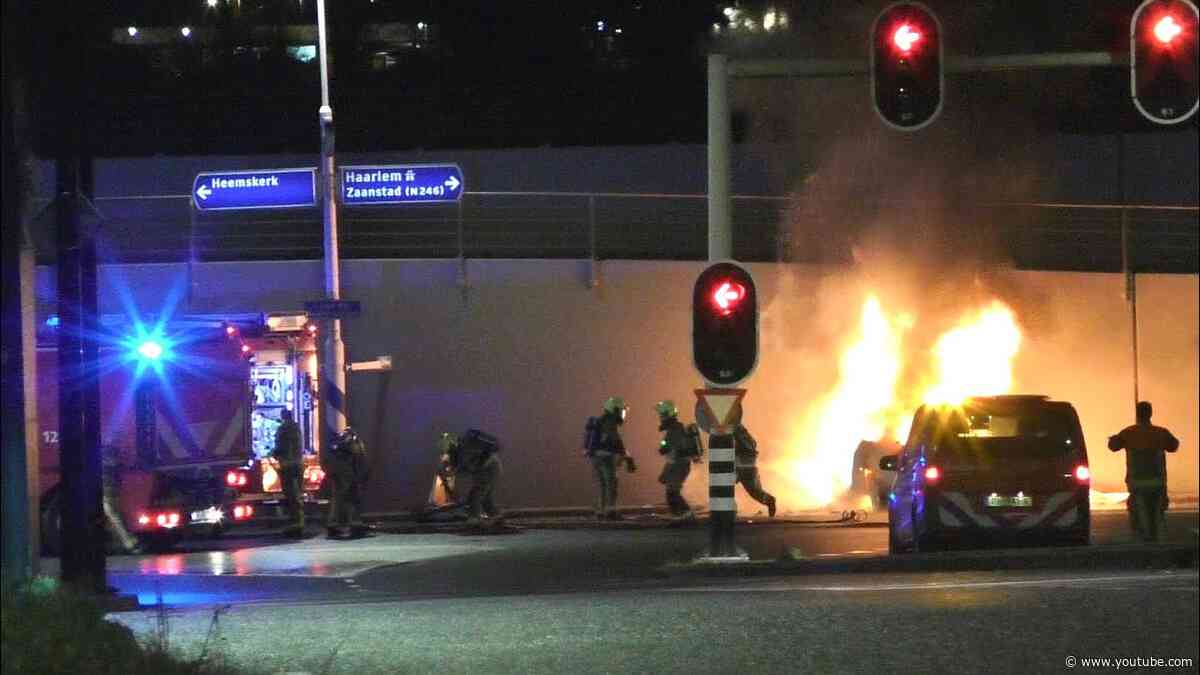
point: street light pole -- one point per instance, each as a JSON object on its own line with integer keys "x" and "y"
{"x": 333, "y": 352}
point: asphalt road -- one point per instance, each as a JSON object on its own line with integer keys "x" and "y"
{"x": 591, "y": 599}
{"x": 977, "y": 622}
{"x": 571, "y": 557}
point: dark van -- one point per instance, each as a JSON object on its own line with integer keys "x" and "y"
{"x": 995, "y": 470}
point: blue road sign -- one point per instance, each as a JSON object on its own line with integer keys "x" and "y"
{"x": 401, "y": 184}
{"x": 265, "y": 189}
{"x": 332, "y": 309}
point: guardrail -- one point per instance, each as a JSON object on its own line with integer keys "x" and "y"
{"x": 1033, "y": 235}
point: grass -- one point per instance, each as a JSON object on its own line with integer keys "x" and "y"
{"x": 50, "y": 629}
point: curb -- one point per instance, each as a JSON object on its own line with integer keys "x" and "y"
{"x": 1155, "y": 556}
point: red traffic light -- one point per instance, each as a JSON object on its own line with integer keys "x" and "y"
{"x": 727, "y": 296}
{"x": 906, "y": 65}
{"x": 905, "y": 37}
{"x": 1163, "y": 60}
{"x": 1167, "y": 29}
{"x": 724, "y": 324}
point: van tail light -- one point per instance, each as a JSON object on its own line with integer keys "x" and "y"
{"x": 932, "y": 474}
{"x": 1083, "y": 475}
{"x": 235, "y": 479}
{"x": 242, "y": 511}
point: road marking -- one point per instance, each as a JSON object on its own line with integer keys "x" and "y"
{"x": 776, "y": 587}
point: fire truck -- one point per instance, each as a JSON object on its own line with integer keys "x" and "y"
{"x": 188, "y": 413}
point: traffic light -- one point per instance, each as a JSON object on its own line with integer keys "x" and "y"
{"x": 1162, "y": 62}
{"x": 725, "y": 324}
{"x": 906, "y": 65}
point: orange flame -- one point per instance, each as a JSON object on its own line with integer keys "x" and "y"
{"x": 975, "y": 358}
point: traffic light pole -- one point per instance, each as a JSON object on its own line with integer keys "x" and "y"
{"x": 722, "y": 507}
{"x": 333, "y": 352}
{"x": 720, "y": 236}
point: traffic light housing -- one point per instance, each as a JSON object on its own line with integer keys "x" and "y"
{"x": 725, "y": 324}
{"x": 906, "y": 66}
{"x": 1162, "y": 60}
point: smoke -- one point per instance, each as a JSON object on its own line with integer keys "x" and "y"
{"x": 916, "y": 260}
{"x": 913, "y": 232}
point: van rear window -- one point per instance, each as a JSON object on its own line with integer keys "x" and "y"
{"x": 974, "y": 436}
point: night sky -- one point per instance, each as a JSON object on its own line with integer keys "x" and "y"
{"x": 492, "y": 75}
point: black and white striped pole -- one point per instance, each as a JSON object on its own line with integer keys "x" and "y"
{"x": 725, "y": 353}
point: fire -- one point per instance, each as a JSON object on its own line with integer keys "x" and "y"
{"x": 975, "y": 358}
{"x": 857, "y": 408}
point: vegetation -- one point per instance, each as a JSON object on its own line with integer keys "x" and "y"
{"x": 50, "y": 629}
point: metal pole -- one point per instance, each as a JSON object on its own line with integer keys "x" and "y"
{"x": 720, "y": 239}
{"x": 594, "y": 277}
{"x": 1127, "y": 268}
{"x": 333, "y": 354}
{"x": 17, "y": 565}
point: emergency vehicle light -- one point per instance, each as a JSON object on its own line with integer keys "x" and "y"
{"x": 235, "y": 478}
{"x": 150, "y": 349}
{"x": 933, "y": 474}
{"x": 242, "y": 511}
{"x": 1083, "y": 474}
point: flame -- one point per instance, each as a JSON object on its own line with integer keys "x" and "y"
{"x": 976, "y": 357}
{"x": 857, "y": 408}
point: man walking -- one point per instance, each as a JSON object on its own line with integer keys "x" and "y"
{"x": 746, "y": 464}
{"x": 605, "y": 449}
{"x": 680, "y": 448}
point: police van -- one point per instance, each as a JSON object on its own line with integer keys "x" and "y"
{"x": 994, "y": 470}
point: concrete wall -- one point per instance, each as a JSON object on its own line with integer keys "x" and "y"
{"x": 527, "y": 350}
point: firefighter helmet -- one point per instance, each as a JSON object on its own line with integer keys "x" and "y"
{"x": 666, "y": 408}
{"x": 615, "y": 405}
{"x": 447, "y": 441}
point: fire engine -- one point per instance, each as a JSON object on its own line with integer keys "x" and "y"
{"x": 188, "y": 413}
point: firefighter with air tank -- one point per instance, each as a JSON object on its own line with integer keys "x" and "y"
{"x": 345, "y": 466}
{"x": 475, "y": 454}
{"x": 289, "y": 454}
{"x": 605, "y": 450}
{"x": 680, "y": 446}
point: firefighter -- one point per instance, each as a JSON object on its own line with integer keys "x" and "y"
{"x": 475, "y": 454}
{"x": 605, "y": 449}
{"x": 746, "y": 464}
{"x": 345, "y": 466}
{"x": 680, "y": 449}
{"x": 1145, "y": 447}
{"x": 289, "y": 455}
{"x": 111, "y": 503}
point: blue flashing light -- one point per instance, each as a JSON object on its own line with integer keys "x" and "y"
{"x": 150, "y": 349}
{"x": 53, "y": 321}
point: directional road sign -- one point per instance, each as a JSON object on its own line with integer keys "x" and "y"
{"x": 401, "y": 184}
{"x": 332, "y": 309}
{"x": 264, "y": 189}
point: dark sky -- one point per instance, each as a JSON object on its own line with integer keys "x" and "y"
{"x": 489, "y": 74}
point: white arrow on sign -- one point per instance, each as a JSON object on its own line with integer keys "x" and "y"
{"x": 452, "y": 183}
{"x": 203, "y": 192}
